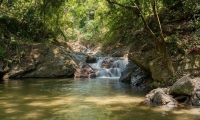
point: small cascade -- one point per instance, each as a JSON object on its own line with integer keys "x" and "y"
{"x": 109, "y": 67}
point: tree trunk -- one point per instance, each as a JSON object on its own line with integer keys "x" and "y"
{"x": 163, "y": 48}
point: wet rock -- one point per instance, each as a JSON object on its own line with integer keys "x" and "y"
{"x": 85, "y": 71}
{"x": 138, "y": 77}
{"x": 127, "y": 72}
{"x": 90, "y": 59}
{"x": 107, "y": 63}
{"x": 132, "y": 74}
{"x": 159, "y": 96}
{"x": 109, "y": 67}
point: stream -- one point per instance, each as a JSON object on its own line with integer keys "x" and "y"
{"x": 81, "y": 99}
{"x": 100, "y": 98}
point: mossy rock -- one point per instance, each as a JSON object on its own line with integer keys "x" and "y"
{"x": 184, "y": 86}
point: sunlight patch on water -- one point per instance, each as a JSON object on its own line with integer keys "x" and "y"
{"x": 32, "y": 115}
{"x": 7, "y": 104}
{"x": 113, "y": 100}
{"x": 191, "y": 111}
{"x": 81, "y": 99}
{"x": 10, "y": 110}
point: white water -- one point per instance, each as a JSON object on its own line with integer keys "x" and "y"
{"x": 116, "y": 66}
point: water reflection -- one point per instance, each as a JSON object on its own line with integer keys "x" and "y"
{"x": 80, "y": 99}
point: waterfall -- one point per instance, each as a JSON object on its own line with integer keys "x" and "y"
{"x": 109, "y": 67}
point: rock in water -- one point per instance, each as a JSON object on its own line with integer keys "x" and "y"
{"x": 132, "y": 74}
{"x": 90, "y": 59}
{"x": 127, "y": 72}
{"x": 85, "y": 71}
{"x": 159, "y": 96}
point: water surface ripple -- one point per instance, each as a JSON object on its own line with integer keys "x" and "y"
{"x": 80, "y": 99}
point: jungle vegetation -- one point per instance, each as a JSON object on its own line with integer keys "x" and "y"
{"x": 105, "y": 22}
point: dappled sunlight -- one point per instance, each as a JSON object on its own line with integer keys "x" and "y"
{"x": 10, "y": 110}
{"x": 191, "y": 111}
{"x": 33, "y": 114}
{"x": 7, "y": 104}
{"x": 52, "y": 102}
{"x": 35, "y": 98}
{"x": 113, "y": 100}
{"x": 103, "y": 99}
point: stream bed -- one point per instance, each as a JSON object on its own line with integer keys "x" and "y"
{"x": 81, "y": 99}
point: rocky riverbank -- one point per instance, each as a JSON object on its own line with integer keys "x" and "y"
{"x": 184, "y": 91}
{"x": 41, "y": 60}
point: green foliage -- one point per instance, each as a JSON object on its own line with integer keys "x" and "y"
{"x": 82, "y": 20}
{"x": 173, "y": 44}
{"x": 86, "y": 20}
{"x": 38, "y": 20}
{"x": 2, "y": 53}
{"x": 124, "y": 23}
{"x": 191, "y": 6}
{"x": 171, "y": 3}
{"x": 121, "y": 31}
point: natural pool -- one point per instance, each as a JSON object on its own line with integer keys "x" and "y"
{"x": 81, "y": 99}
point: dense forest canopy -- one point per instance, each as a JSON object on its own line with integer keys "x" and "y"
{"x": 50, "y": 19}
{"x": 88, "y": 21}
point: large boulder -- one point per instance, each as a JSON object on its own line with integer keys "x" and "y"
{"x": 128, "y": 72}
{"x": 159, "y": 72}
{"x": 184, "y": 86}
{"x": 132, "y": 74}
{"x": 187, "y": 89}
{"x": 42, "y": 60}
{"x": 159, "y": 96}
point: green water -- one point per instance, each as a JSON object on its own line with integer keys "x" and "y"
{"x": 80, "y": 99}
